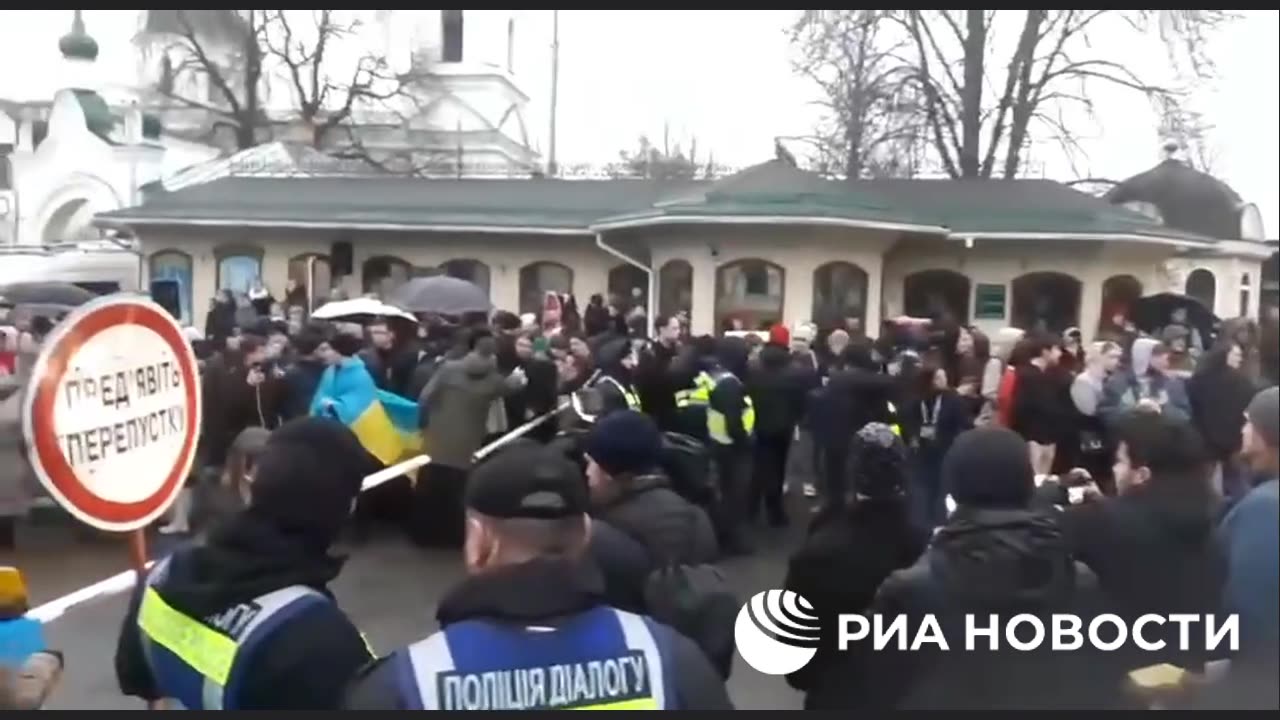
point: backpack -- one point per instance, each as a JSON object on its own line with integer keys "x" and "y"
{"x": 1004, "y": 397}
{"x": 698, "y": 602}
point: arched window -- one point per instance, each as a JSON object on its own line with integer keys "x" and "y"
{"x": 749, "y": 293}
{"x": 1246, "y": 287}
{"x": 169, "y": 274}
{"x": 310, "y": 281}
{"x": 1046, "y": 302}
{"x": 238, "y": 268}
{"x": 472, "y": 271}
{"x": 1119, "y": 293}
{"x": 383, "y": 273}
{"x": 675, "y": 288}
{"x": 539, "y": 278}
{"x": 629, "y": 285}
{"x": 935, "y": 293}
{"x": 1203, "y": 286}
{"x": 839, "y": 292}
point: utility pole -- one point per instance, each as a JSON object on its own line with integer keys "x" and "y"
{"x": 552, "y": 169}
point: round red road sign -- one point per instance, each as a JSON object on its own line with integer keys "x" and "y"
{"x": 112, "y": 412}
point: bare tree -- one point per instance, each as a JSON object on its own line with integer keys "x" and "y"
{"x": 229, "y": 68}
{"x": 666, "y": 162}
{"x": 313, "y": 58}
{"x": 324, "y": 103}
{"x": 983, "y": 104}
{"x": 870, "y": 126}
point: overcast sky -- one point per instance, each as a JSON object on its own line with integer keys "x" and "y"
{"x": 725, "y": 78}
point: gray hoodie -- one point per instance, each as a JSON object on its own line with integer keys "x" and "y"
{"x": 1125, "y": 389}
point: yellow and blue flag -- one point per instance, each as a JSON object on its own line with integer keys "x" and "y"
{"x": 385, "y": 423}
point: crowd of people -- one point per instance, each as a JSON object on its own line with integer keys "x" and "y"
{"x": 944, "y": 472}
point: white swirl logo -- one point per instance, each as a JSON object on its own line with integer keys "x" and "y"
{"x": 776, "y": 632}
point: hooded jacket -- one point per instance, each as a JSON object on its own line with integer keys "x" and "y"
{"x": 278, "y": 542}
{"x": 1124, "y": 389}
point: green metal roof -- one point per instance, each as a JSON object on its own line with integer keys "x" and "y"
{"x": 770, "y": 190}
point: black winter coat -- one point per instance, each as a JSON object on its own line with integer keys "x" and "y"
{"x": 1151, "y": 556}
{"x": 981, "y": 562}
{"x": 847, "y": 555}
{"x": 777, "y": 390}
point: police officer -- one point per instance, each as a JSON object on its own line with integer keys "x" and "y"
{"x": 720, "y": 398}
{"x": 528, "y": 629}
{"x": 245, "y": 622}
{"x": 617, "y": 360}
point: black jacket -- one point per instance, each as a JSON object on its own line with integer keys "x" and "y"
{"x": 393, "y": 369}
{"x": 303, "y": 665}
{"x": 543, "y": 592}
{"x": 852, "y": 398}
{"x": 658, "y": 379}
{"x": 666, "y": 524}
{"x": 777, "y": 388}
{"x": 1151, "y": 555}
{"x": 951, "y": 414}
{"x": 1038, "y": 405}
{"x": 1219, "y": 395}
{"x": 300, "y": 383}
{"x": 981, "y": 562}
{"x": 847, "y": 555}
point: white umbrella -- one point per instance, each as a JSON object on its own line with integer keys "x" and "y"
{"x": 359, "y": 308}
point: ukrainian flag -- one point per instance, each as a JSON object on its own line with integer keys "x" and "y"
{"x": 385, "y": 423}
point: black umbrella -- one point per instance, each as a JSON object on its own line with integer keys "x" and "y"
{"x": 44, "y": 293}
{"x": 441, "y": 295}
{"x": 1153, "y": 312}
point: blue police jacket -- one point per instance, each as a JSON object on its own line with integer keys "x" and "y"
{"x": 601, "y": 659}
{"x": 202, "y": 665}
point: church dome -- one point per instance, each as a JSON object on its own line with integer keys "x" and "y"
{"x": 1184, "y": 198}
{"x": 78, "y": 44}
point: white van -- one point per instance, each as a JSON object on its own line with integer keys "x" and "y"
{"x": 99, "y": 267}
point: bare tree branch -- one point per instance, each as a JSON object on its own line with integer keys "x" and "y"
{"x": 979, "y": 114}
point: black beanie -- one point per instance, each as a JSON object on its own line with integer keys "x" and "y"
{"x": 307, "y": 476}
{"x": 989, "y": 468}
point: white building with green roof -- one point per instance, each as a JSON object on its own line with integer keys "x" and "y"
{"x": 770, "y": 243}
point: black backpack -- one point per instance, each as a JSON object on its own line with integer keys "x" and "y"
{"x": 696, "y": 600}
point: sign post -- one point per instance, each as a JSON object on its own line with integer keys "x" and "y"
{"x": 111, "y": 415}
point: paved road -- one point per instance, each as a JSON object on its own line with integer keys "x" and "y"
{"x": 388, "y": 587}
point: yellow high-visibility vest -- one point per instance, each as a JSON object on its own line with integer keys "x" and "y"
{"x": 700, "y": 396}
{"x": 633, "y": 400}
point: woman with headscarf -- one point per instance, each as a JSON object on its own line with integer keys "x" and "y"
{"x": 835, "y": 569}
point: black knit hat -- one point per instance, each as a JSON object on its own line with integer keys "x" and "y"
{"x": 989, "y": 468}
{"x": 307, "y": 476}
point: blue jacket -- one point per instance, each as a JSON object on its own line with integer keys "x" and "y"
{"x": 1253, "y": 556}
